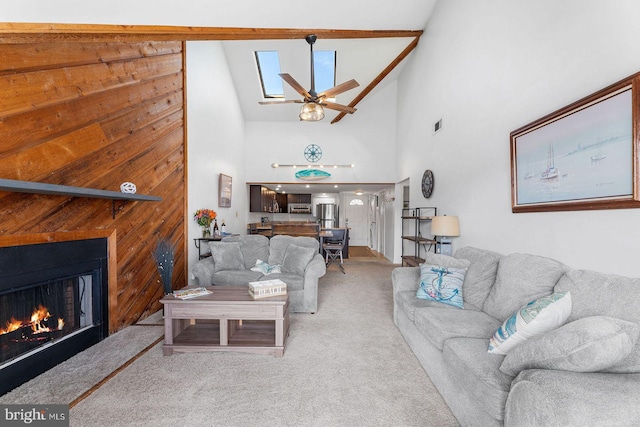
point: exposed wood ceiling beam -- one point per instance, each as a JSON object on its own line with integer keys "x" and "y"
{"x": 34, "y": 32}
{"x": 379, "y": 78}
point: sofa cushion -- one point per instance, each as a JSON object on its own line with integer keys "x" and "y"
{"x": 236, "y": 277}
{"x": 408, "y": 303}
{"x": 536, "y": 317}
{"x": 252, "y": 246}
{"x": 441, "y": 284}
{"x": 279, "y": 244}
{"x": 446, "y": 261}
{"x": 226, "y": 256}
{"x": 439, "y": 324}
{"x": 521, "y": 278}
{"x": 296, "y": 259}
{"x": 294, "y": 282}
{"x": 264, "y": 268}
{"x": 481, "y": 274}
{"x": 599, "y": 294}
{"x": 589, "y": 344}
{"x": 478, "y": 372}
{"x": 542, "y": 397}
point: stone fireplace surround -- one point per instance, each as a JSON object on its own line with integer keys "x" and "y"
{"x": 34, "y": 258}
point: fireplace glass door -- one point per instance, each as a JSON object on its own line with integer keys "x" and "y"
{"x": 44, "y": 313}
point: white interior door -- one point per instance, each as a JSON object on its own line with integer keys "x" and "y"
{"x": 355, "y": 217}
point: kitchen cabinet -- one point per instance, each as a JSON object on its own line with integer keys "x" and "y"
{"x": 299, "y": 203}
{"x": 263, "y": 199}
{"x": 299, "y": 198}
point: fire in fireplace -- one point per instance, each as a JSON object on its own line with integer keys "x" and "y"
{"x": 33, "y": 317}
{"x": 52, "y": 305}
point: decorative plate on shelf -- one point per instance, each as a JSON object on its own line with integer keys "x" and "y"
{"x": 427, "y": 183}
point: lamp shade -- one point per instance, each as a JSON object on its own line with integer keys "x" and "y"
{"x": 445, "y": 226}
{"x": 311, "y": 112}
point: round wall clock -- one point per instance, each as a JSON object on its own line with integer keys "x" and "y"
{"x": 312, "y": 153}
{"x": 427, "y": 183}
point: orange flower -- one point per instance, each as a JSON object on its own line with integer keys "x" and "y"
{"x": 204, "y": 217}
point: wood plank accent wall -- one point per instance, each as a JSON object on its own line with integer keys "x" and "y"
{"x": 96, "y": 114}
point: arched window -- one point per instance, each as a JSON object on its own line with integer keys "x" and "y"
{"x": 356, "y": 202}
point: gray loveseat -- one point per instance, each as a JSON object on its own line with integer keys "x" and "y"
{"x": 584, "y": 372}
{"x": 298, "y": 260}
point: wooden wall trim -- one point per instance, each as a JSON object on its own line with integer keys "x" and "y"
{"x": 18, "y": 32}
{"x": 67, "y": 236}
{"x": 185, "y": 127}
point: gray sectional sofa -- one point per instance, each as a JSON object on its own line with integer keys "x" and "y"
{"x": 585, "y": 372}
{"x": 294, "y": 260}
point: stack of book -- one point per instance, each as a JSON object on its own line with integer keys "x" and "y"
{"x": 267, "y": 288}
{"x": 187, "y": 293}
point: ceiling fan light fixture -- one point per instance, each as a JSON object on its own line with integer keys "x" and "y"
{"x": 311, "y": 112}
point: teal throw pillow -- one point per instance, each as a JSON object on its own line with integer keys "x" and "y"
{"x": 441, "y": 284}
{"x": 265, "y": 268}
{"x": 542, "y": 315}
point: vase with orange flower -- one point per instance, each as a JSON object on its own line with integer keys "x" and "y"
{"x": 204, "y": 218}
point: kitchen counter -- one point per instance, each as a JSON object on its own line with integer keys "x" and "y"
{"x": 291, "y": 228}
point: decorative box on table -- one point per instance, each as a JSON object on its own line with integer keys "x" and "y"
{"x": 267, "y": 288}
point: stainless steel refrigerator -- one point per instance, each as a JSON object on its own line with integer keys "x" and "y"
{"x": 327, "y": 215}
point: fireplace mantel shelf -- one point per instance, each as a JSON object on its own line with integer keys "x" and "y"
{"x": 67, "y": 190}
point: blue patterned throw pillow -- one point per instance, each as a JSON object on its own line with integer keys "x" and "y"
{"x": 441, "y": 284}
{"x": 539, "y": 316}
{"x": 265, "y": 268}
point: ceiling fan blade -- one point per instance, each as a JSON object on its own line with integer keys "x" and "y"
{"x": 343, "y": 87}
{"x": 294, "y": 84}
{"x": 338, "y": 107}
{"x": 297, "y": 101}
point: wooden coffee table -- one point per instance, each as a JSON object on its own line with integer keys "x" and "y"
{"x": 228, "y": 319}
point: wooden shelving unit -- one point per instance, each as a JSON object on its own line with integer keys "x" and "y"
{"x": 71, "y": 191}
{"x": 413, "y": 220}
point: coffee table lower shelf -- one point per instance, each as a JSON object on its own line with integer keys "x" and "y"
{"x": 253, "y": 336}
{"x": 226, "y": 319}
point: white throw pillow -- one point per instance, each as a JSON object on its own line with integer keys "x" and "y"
{"x": 537, "y": 317}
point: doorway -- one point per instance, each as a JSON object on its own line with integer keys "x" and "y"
{"x": 355, "y": 217}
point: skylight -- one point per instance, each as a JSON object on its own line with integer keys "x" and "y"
{"x": 269, "y": 68}
{"x": 325, "y": 69}
{"x": 268, "y": 63}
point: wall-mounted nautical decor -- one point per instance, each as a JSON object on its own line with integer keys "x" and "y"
{"x": 312, "y": 174}
{"x": 313, "y": 153}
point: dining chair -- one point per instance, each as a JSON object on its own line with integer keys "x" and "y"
{"x": 333, "y": 247}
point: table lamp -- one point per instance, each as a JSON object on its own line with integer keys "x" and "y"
{"x": 443, "y": 228}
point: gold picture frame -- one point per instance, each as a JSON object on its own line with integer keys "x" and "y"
{"x": 224, "y": 191}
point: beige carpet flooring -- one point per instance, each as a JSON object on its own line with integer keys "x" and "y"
{"x": 346, "y": 365}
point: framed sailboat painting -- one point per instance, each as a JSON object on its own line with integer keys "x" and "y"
{"x": 583, "y": 156}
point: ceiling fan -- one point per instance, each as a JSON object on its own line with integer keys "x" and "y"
{"x": 312, "y": 110}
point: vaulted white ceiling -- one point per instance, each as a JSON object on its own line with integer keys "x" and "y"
{"x": 359, "y": 59}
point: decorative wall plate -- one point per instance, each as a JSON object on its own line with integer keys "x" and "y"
{"x": 312, "y": 153}
{"x": 427, "y": 183}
